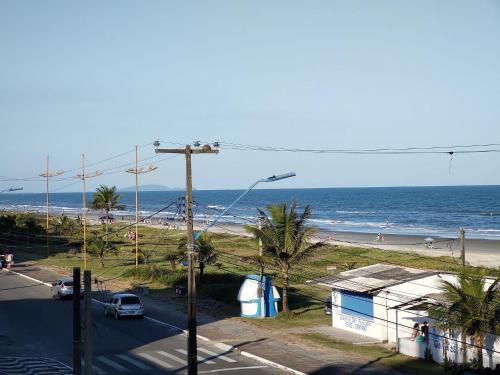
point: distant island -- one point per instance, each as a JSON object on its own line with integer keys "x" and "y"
{"x": 150, "y": 187}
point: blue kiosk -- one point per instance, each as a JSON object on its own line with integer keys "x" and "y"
{"x": 255, "y": 305}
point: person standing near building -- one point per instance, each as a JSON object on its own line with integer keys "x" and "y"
{"x": 415, "y": 332}
{"x": 425, "y": 331}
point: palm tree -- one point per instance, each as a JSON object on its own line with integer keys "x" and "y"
{"x": 99, "y": 248}
{"x": 469, "y": 307}
{"x": 286, "y": 238}
{"x": 174, "y": 256}
{"x": 105, "y": 198}
{"x": 205, "y": 250}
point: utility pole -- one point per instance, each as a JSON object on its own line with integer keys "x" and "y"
{"x": 261, "y": 271}
{"x": 136, "y": 171}
{"x": 87, "y": 339}
{"x": 77, "y": 333}
{"x": 47, "y": 174}
{"x": 462, "y": 246}
{"x": 192, "y": 345}
{"x": 84, "y": 177}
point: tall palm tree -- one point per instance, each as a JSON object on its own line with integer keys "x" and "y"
{"x": 470, "y": 308}
{"x": 105, "y": 198}
{"x": 286, "y": 238}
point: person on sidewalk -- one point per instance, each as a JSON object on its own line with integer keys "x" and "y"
{"x": 9, "y": 258}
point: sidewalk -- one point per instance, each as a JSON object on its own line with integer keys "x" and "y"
{"x": 281, "y": 348}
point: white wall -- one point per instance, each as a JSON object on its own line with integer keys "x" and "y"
{"x": 383, "y": 326}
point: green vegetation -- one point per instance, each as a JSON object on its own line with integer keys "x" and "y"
{"x": 205, "y": 250}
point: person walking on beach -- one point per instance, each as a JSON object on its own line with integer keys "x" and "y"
{"x": 415, "y": 332}
{"x": 380, "y": 237}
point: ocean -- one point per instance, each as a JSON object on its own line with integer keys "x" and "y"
{"x": 427, "y": 211}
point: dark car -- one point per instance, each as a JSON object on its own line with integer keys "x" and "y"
{"x": 3, "y": 262}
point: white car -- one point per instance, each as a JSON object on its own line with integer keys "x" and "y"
{"x": 63, "y": 288}
{"x": 124, "y": 304}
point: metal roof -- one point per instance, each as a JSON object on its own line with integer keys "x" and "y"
{"x": 372, "y": 278}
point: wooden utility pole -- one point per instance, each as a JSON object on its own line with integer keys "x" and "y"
{"x": 192, "y": 345}
{"x": 136, "y": 171}
{"x": 462, "y": 246}
{"x": 87, "y": 339}
{"x": 47, "y": 174}
{"x": 84, "y": 177}
{"x": 77, "y": 330}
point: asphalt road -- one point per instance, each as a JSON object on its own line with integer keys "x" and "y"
{"x": 36, "y": 338}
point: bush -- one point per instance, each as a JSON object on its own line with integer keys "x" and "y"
{"x": 162, "y": 275}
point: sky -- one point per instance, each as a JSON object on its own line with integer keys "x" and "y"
{"x": 98, "y": 77}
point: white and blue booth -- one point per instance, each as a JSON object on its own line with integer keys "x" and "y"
{"x": 255, "y": 305}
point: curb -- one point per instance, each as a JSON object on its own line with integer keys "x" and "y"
{"x": 220, "y": 345}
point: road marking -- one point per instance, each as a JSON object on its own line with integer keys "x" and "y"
{"x": 155, "y": 360}
{"x": 200, "y": 358}
{"x": 221, "y": 356}
{"x": 97, "y": 370}
{"x": 112, "y": 363}
{"x": 133, "y": 361}
{"x": 231, "y": 369}
{"x": 171, "y": 356}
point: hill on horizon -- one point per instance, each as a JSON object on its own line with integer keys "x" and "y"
{"x": 150, "y": 187}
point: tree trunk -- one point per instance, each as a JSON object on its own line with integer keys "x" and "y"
{"x": 480, "y": 344}
{"x": 202, "y": 268}
{"x": 285, "y": 288}
{"x": 106, "y": 226}
{"x": 172, "y": 264}
{"x": 463, "y": 337}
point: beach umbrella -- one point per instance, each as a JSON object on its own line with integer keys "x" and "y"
{"x": 428, "y": 239}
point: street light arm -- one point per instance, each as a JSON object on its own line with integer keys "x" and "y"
{"x": 268, "y": 179}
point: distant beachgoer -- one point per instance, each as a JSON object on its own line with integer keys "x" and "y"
{"x": 415, "y": 332}
{"x": 380, "y": 237}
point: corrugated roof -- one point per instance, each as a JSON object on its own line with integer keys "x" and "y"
{"x": 372, "y": 278}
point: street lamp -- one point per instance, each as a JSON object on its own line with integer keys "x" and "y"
{"x": 268, "y": 179}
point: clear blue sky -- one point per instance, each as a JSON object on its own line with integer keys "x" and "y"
{"x": 100, "y": 76}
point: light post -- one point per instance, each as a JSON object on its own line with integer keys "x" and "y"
{"x": 137, "y": 171}
{"x": 47, "y": 174}
{"x": 84, "y": 177}
{"x": 268, "y": 179}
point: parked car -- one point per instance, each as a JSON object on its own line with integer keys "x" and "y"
{"x": 63, "y": 288}
{"x": 3, "y": 262}
{"x": 124, "y": 304}
{"x": 328, "y": 305}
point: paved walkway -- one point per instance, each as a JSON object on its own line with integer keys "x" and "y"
{"x": 283, "y": 348}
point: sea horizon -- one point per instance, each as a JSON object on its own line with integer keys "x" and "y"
{"x": 435, "y": 211}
